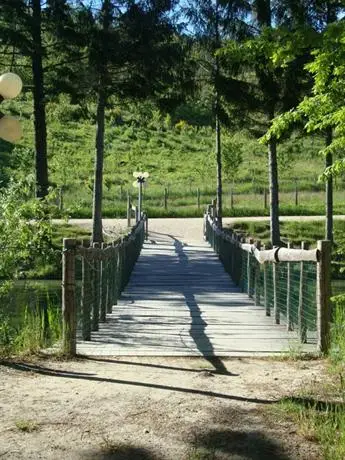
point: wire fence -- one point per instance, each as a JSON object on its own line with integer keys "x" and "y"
{"x": 292, "y": 285}
{"x": 93, "y": 279}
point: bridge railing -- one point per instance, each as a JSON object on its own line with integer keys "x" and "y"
{"x": 93, "y": 279}
{"x": 292, "y": 285}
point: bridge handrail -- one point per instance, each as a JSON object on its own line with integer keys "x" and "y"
{"x": 294, "y": 284}
{"x": 105, "y": 271}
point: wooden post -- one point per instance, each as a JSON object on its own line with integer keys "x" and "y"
{"x": 267, "y": 306}
{"x": 86, "y": 296}
{"x": 249, "y": 273}
{"x": 165, "y": 198}
{"x": 69, "y": 310}
{"x": 96, "y": 289}
{"x": 276, "y": 308}
{"x": 129, "y": 210}
{"x": 289, "y": 323}
{"x": 232, "y": 197}
{"x": 323, "y": 293}
{"x": 198, "y": 197}
{"x": 301, "y": 313}
{"x": 103, "y": 286}
{"x": 265, "y": 198}
{"x": 296, "y": 194}
{"x": 257, "y": 277}
{"x": 146, "y": 228}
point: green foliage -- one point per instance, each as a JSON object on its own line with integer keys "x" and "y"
{"x": 25, "y": 228}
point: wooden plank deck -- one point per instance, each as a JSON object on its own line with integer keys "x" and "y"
{"x": 181, "y": 302}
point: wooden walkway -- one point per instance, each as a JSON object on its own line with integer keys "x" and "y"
{"x": 180, "y": 302}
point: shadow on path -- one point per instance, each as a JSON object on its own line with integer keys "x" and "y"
{"x": 28, "y": 367}
{"x": 198, "y": 325}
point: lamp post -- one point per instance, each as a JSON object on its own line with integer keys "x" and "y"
{"x": 140, "y": 180}
{"x": 10, "y": 87}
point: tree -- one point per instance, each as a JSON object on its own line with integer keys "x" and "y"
{"x": 259, "y": 87}
{"x": 36, "y": 31}
{"x": 134, "y": 54}
{"x": 213, "y": 22}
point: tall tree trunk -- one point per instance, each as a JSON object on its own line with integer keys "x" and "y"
{"x": 218, "y": 129}
{"x": 97, "y": 231}
{"x": 39, "y": 103}
{"x": 329, "y": 190}
{"x": 274, "y": 192}
{"x": 219, "y": 171}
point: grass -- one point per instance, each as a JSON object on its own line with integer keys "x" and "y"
{"x": 27, "y": 426}
{"x": 319, "y": 411}
{"x": 178, "y": 159}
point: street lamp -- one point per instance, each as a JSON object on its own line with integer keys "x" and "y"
{"x": 10, "y": 87}
{"x": 140, "y": 180}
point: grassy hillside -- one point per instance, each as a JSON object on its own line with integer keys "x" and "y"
{"x": 178, "y": 155}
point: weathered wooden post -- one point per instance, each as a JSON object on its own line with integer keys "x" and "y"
{"x": 86, "y": 295}
{"x": 69, "y": 308}
{"x": 103, "y": 285}
{"x": 257, "y": 276}
{"x": 323, "y": 294}
{"x": 289, "y": 323}
{"x": 296, "y": 194}
{"x": 301, "y": 313}
{"x": 266, "y": 303}
{"x": 249, "y": 272}
{"x": 265, "y": 198}
{"x": 129, "y": 210}
{"x": 165, "y": 198}
{"x": 96, "y": 287}
{"x": 198, "y": 197}
{"x": 232, "y": 197}
{"x": 276, "y": 307}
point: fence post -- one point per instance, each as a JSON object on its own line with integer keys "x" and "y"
{"x": 296, "y": 194}
{"x": 86, "y": 296}
{"x": 198, "y": 197}
{"x": 323, "y": 293}
{"x": 301, "y": 317}
{"x": 69, "y": 310}
{"x": 103, "y": 286}
{"x": 96, "y": 289}
{"x": 266, "y": 303}
{"x": 289, "y": 324}
{"x": 165, "y": 198}
{"x": 265, "y": 198}
{"x": 257, "y": 276}
{"x": 146, "y": 227}
{"x": 276, "y": 308}
{"x": 249, "y": 273}
{"x": 129, "y": 210}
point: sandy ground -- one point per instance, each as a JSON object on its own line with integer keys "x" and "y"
{"x": 151, "y": 408}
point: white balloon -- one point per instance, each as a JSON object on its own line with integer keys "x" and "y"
{"x": 145, "y": 174}
{"x": 135, "y": 184}
{"x": 10, "y": 129}
{"x": 10, "y": 85}
{"x": 136, "y": 174}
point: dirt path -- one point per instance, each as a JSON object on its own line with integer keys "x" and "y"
{"x": 150, "y": 408}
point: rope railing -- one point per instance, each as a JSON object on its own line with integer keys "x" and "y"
{"x": 93, "y": 278}
{"x": 291, "y": 284}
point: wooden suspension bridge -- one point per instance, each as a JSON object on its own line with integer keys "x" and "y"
{"x": 178, "y": 301}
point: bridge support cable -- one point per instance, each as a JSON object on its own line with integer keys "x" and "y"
{"x": 93, "y": 279}
{"x": 291, "y": 284}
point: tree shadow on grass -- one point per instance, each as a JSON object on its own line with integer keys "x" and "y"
{"x": 246, "y": 445}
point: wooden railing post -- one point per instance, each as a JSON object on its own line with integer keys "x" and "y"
{"x": 289, "y": 323}
{"x": 165, "y": 198}
{"x": 129, "y": 210}
{"x": 276, "y": 306}
{"x": 249, "y": 272}
{"x": 301, "y": 313}
{"x": 96, "y": 289}
{"x": 103, "y": 286}
{"x": 69, "y": 310}
{"x": 86, "y": 295}
{"x": 323, "y": 293}
{"x": 257, "y": 277}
